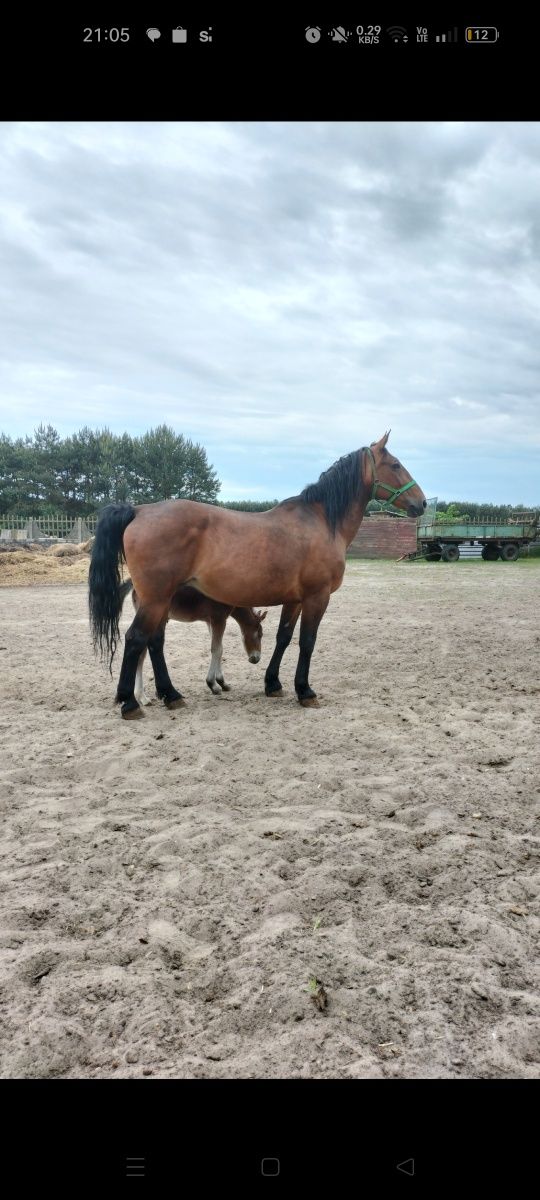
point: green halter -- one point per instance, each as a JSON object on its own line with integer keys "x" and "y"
{"x": 379, "y": 483}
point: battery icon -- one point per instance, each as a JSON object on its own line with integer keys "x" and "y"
{"x": 478, "y": 34}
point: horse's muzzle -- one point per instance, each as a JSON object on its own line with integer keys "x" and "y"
{"x": 254, "y": 658}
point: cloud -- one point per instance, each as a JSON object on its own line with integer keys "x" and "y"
{"x": 281, "y": 293}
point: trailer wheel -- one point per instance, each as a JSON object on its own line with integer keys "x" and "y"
{"x": 433, "y": 553}
{"x": 450, "y": 553}
{"x": 510, "y": 551}
{"x": 490, "y": 553}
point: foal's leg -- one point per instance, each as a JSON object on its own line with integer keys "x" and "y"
{"x": 140, "y": 694}
{"x": 313, "y": 611}
{"x": 164, "y": 688}
{"x": 289, "y": 616}
{"x": 147, "y": 621}
{"x": 215, "y": 674}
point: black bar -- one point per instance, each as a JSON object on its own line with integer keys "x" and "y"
{"x": 257, "y": 68}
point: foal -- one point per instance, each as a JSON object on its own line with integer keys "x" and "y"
{"x": 189, "y": 605}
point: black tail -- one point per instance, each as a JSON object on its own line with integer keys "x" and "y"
{"x": 106, "y": 592}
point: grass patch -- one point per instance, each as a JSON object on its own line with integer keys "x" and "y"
{"x": 527, "y": 563}
{"x": 520, "y": 563}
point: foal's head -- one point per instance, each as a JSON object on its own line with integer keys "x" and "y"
{"x": 250, "y": 622}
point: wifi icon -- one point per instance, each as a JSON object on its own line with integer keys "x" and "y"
{"x": 397, "y": 33}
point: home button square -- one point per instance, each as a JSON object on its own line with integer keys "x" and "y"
{"x": 270, "y": 1166}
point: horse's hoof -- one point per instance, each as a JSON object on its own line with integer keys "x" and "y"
{"x": 310, "y": 702}
{"x": 133, "y": 714}
{"x": 225, "y": 687}
{"x": 178, "y": 703}
{"x": 275, "y": 695}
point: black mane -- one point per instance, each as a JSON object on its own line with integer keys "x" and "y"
{"x": 336, "y": 488}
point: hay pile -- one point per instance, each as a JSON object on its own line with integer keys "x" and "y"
{"x": 68, "y": 549}
{"x": 22, "y": 566}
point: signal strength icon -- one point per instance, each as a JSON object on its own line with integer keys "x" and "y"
{"x": 397, "y": 33}
{"x": 451, "y": 36}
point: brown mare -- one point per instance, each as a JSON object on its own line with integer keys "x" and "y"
{"x": 293, "y": 555}
{"x": 189, "y": 605}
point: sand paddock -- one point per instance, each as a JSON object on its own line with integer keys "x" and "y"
{"x": 169, "y": 887}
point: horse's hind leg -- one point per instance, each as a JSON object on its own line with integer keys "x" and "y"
{"x": 145, "y": 624}
{"x": 288, "y": 619}
{"x": 164, "y": 688}
{"x": 215, "y": 673}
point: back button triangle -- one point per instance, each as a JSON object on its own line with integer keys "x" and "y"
{"x": 406, "y": 1167}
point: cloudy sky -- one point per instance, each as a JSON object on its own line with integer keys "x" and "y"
{"x": 281, "y": 293}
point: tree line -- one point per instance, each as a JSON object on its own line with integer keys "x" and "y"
{"x": 76, "y": 475}
{"x": 469, "y": 510}
{"x": 464, "y": 510}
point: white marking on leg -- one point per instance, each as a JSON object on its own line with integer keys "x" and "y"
{"x": 214, "y": 670}
{"x": 138, "y": 691}
{"x": 212, "y": 673}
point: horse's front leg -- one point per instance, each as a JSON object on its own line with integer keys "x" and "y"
{"x": 313, "y": 611}
{"x": 289, "y": 616}
{"x": 215, "y": 679}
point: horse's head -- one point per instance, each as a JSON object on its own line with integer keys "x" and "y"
{"x": 251, "y": 625}
{"x": 390, "y": 481}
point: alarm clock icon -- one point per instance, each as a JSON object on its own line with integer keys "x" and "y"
{"x": 313, "y": 33}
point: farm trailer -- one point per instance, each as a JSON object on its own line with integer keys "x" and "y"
{"x": 438, "y": 540}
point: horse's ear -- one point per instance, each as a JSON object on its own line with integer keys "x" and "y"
{"x": 382, "y": 441}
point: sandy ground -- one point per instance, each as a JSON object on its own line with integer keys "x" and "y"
{"x": 170, "y": 887}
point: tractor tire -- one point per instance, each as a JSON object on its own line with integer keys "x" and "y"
{"x": 509, "y": 551}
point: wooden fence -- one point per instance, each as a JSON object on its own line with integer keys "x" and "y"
{"x": 378, "y": 536}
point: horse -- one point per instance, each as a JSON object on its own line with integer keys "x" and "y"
{"x": 292, "y": 555}
{"x": 189, "y": 605}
